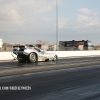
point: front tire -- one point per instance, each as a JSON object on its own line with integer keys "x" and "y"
{"x": 55, "y": 58}
{"x": 32, "y": 58}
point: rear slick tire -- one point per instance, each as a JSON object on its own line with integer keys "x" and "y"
{"x": 32, "y": 58}
{"x": 20, "y": 60}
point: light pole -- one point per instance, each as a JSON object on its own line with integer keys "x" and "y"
{"x": 56, "y": 25}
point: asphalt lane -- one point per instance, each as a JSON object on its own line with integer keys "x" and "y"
{"x": 13, "y": 64}
{"x": 82, "y": 83}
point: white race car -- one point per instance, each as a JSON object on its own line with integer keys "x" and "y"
{"x": 32, "y": 54}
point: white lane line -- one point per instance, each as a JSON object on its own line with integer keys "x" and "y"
{"x": 78, "y": 61}
{"x": 79, "y": 56}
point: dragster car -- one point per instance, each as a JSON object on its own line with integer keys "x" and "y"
{"x": 32, "y": 54}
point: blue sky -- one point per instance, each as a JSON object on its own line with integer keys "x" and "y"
{"x": 26, "y": 21}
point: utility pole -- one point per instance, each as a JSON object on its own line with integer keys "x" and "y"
{"x": 56, "y": 25}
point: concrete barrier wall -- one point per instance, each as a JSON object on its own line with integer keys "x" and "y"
{"x": 76, "y": 53}
{"x": 8, "y": 56}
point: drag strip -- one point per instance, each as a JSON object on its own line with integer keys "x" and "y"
{"x": 14, "y": 63}
{"x": 82, "y": 83}
{"x": 23, "y": 68}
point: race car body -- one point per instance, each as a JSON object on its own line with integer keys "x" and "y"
{"x": 32, "y": 54}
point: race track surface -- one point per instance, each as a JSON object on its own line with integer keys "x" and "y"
{"x": 79, "y": 83}
{"x": 67, "y": 84}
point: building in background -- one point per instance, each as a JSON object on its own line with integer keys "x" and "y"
{"x": 7, "y": 47}
{"x": 75, "y": 45}
{"x": 63, "y": 45}
{"x": 42, "y": 44}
